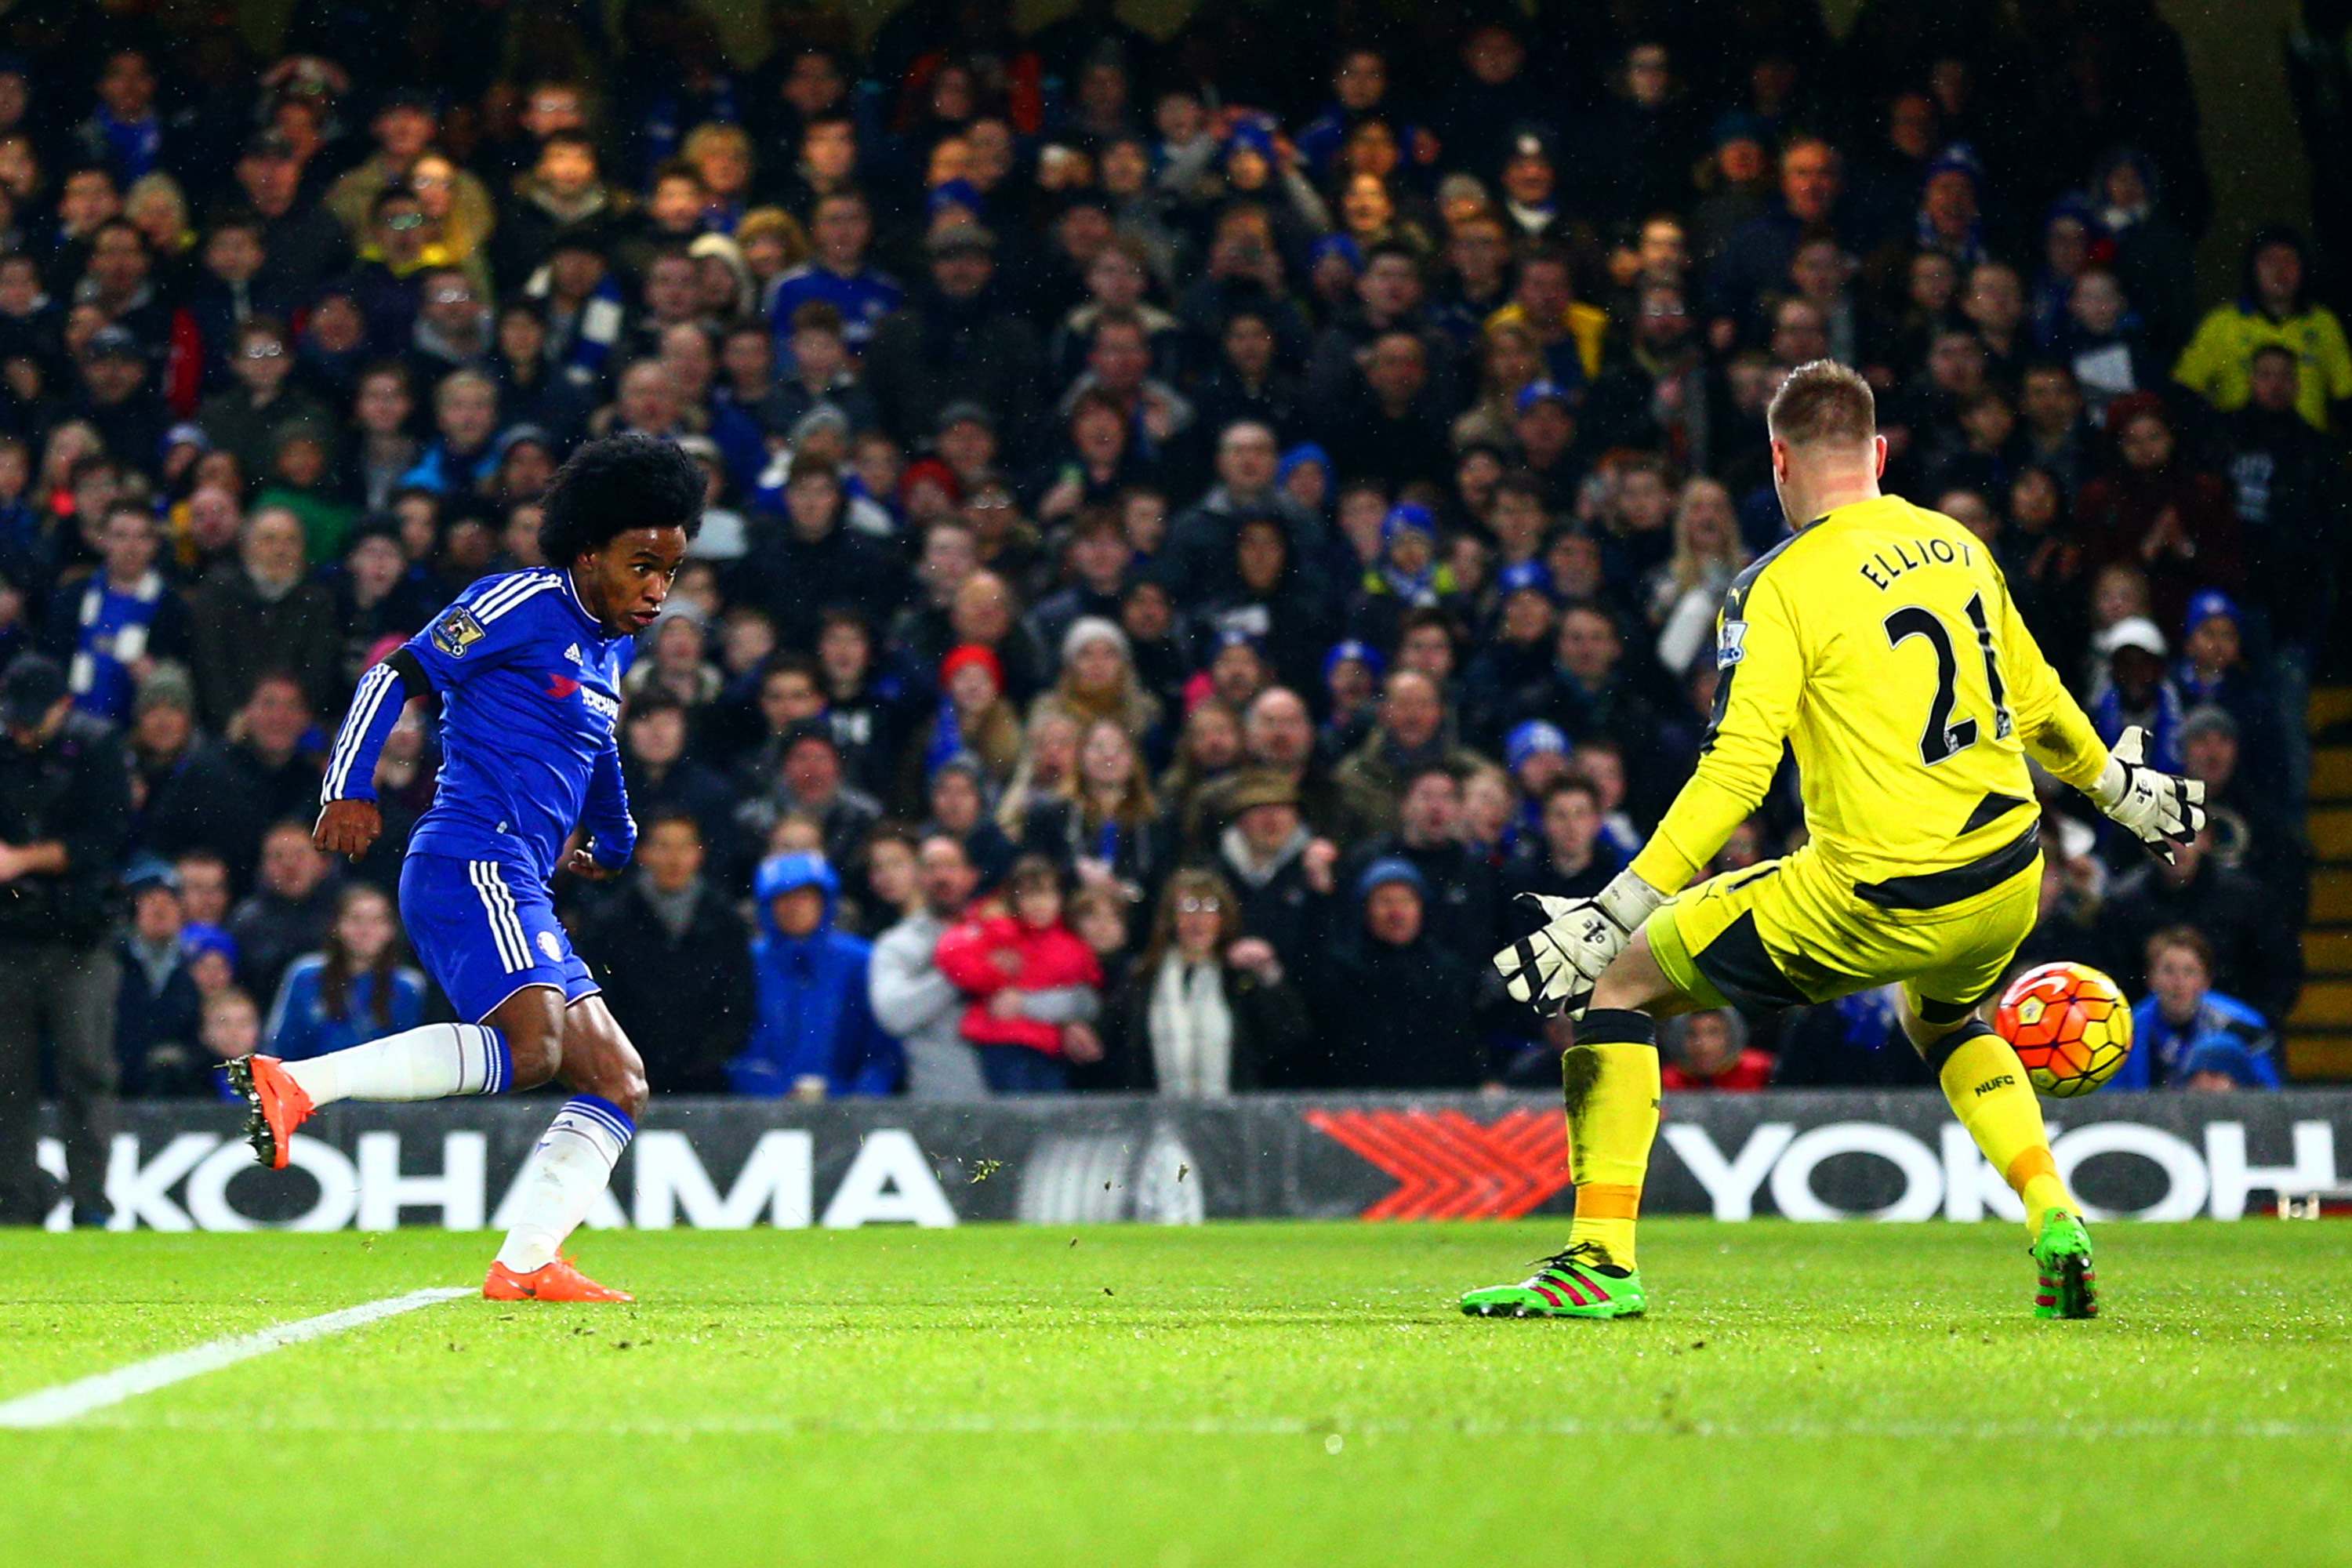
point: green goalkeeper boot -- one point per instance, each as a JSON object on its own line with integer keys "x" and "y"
{"x": 1577, "y": 1283}
{"x": 2068, "y": 1286}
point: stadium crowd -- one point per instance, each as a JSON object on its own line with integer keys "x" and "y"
{"x": 1196, "y": 525}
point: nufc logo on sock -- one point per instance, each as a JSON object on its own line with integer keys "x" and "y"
{"x": 2003, "y": 1081}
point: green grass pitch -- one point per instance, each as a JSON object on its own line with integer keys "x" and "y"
{"x": 1837, "y": 1394}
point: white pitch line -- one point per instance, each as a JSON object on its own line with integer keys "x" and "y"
{"x": 951, "y": 1423}
{"x": 69, "y": 1401}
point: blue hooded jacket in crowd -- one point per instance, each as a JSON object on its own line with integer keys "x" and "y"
{"x": 2225, "y": 1035}
{"x": 812, "y": 1015}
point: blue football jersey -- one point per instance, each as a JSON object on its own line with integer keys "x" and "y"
{"x": 863, "y": 299}
{"x": 530, "y": 697}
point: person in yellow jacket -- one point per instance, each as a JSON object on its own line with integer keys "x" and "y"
{"x": 2272, "y": 309}
{"x": 1570, "y": 333}
{"x": 1880, "y": 644}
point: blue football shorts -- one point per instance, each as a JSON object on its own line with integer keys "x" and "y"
{"x": 485, "y": 930}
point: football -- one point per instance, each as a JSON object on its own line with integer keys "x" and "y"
{"x": 2069, "y": 1024}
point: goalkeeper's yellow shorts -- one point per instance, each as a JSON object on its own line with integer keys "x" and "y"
{"x": 1790, "y": 932}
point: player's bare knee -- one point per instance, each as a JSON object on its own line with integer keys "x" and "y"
{"x": 630, "y": 1091}
{"x": 616, "y": 1076}
{"x": 531, "y": 1021}
{"x": 538, "y": 1056}
{"x": 622, "y": 1073}
{"x": 598, "y": 1058}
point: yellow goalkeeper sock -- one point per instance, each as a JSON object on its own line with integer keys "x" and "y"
{"x": 1609, "y": 1081}
{"x": 1994, "y": 1100}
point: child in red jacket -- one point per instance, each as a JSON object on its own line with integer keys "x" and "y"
{"x": 1035, "y": 986}
{"x": 1709, "y": 1050}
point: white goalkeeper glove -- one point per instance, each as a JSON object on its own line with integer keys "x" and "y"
{"x": 2157, "y": 808}
{"x": 1555, "y": 967}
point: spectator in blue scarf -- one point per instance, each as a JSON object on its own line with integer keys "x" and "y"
{"x": 110, "y": 627}
{"x": 2184, "y": 1030}
{"x": 2135, "y": 690}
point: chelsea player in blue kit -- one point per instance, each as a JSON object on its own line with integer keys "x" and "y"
{"x": 527, "y": 668}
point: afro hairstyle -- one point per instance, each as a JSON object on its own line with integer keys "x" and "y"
{"x": 613, "y": 485}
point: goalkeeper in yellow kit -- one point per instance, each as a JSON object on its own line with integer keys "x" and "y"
{"x": 1880, "y": 644}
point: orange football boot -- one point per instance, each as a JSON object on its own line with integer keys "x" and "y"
{"x": 556, "y": 1281}
{"x": 274, "y": 1106}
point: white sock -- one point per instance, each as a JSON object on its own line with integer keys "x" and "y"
{"x": 570, "y": 1167}
{"x": 428, "y": 1063}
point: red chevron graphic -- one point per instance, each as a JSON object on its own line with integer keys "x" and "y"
{"x": 1448, "y": 1167}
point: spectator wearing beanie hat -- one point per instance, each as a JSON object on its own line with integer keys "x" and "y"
{"x": 162, "y": 739}
{"x": 1390, "y": 1007}
{"x": 2251, "y": 830}
{"x": 1409, "y": 576}
{"x": 1511, "y": 672}
{"x": 973, "y": 720}
{"x": 2213, "y": 671}
{"x": 1351, "y": 694}
{"x": 1098, "y": 682}
{"x": 1535, "y": 754}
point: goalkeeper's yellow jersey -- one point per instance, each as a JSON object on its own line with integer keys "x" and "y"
{"x": 1880, "y": 644}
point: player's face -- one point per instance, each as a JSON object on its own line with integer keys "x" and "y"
{"x": 625, "y": 583}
